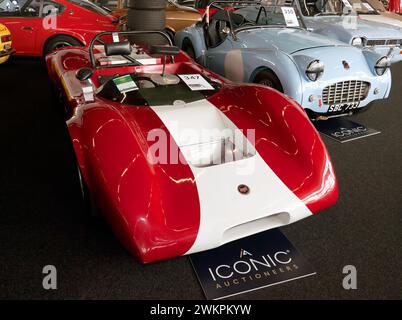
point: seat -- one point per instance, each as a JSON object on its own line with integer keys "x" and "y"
{"x": 215, "y": 34}
{"x": 311, "y": 7}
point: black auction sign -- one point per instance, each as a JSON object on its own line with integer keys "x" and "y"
{"x": 248, "y": 264}
{"x": 343, "y": 130}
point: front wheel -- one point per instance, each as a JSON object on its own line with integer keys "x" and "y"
{"x": 59, "y": 42}
{"x": 170, "y": 33}
{"x": 189, "y": 49}
{"x": 269, "y": 79}
{"x": 87, "y": 199}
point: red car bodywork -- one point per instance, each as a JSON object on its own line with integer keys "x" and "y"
{"x": 395, "y": 6}
{"x": 31, "y": 34}
{"x": 202, "y": 7}
{"x": 155, "y": 209}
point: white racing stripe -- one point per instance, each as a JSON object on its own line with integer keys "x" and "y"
{"x": 226, "y": 214}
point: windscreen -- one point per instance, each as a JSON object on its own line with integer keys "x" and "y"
{"x": 268, "y": 16}
{"x": 148, "y": 89}
{"x": 362, "y": 7}
{"x": 90, "y": 6}
{"x": 324, "y": 7}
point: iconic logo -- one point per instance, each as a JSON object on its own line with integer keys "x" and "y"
{"x": 342, "y": 132}
{"x": 244, "y": 253}
{"x": 265, "y": 259}
{"x": 262, "y": 264}
{"x": 346, "y": 65}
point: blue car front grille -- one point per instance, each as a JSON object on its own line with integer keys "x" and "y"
{"x": 383, "y": 42}
{"x": 345, "y": 92}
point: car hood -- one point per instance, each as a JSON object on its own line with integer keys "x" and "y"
{"x": 338, "y": 61}
{"x": 285, "y": 39}
{"x": 348, "y": 27}
{"x": 381, "y": 18}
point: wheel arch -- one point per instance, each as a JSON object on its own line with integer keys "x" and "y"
{"x": 191, "y": 36}
{"x": 65, "y": 34}
{"x": 284, "y": 68}
{"x": 258, "y": 70}
{"x": 186, "y": 42}
{"x": 123, "y": 187}
{"x": 170, "y": 28}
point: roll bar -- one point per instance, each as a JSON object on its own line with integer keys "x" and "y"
{"x": 124, "y": 33}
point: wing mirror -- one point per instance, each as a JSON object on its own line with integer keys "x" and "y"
{"x": 118, "y": 48}
{"x": 84, "y": 74}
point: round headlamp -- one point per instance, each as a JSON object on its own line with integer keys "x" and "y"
{"x": 382, "y": 65}
{"x": 358, "y": 42}
{"x": 315, "y": 70}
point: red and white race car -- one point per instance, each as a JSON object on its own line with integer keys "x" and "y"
{"x": 179, "y": 159}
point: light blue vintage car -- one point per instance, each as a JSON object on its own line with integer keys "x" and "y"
{"x": 270, "y": 46}
{"x": 337, "y": 19}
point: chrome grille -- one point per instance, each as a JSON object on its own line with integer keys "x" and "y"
{"x": 384, "y": 42}
{"x": 345, "y": 92}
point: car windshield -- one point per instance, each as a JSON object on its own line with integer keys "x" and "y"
{"x": 90, "y": 6}
{"x": 325, "y": 7}
{"x": 146, "y": 90}
{"x": 265, "y": 15}
{"x": 362, "y": 7}
{"x": 377, "y": 5}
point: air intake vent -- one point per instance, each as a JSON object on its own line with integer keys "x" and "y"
{"x": 384, "y": 42}
{"x": 345, "y": 92}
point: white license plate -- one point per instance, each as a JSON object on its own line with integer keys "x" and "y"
{"x": 343, "y": 107}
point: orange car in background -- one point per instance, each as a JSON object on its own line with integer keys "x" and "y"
{"x": 178, "y": 16}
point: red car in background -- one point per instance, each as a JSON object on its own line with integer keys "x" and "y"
{"x": 395, "y": 6}
{"x": 201, "y": 6}
{"x": 39, "y": 27}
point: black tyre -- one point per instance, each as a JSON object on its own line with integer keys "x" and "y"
{"x": 88, "y": 201}
{"x": 146, "y": 20}
{"x": 170, "y": 33}
{"x": 269, "y": 79}
{"x": 60, "y": 42}
{"x": 189, "y": 49}
{"x": 149, "y": 39}
{"x": 147, "y": 4}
